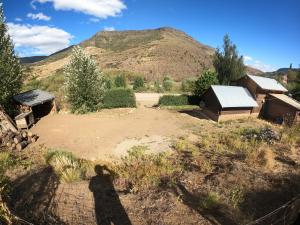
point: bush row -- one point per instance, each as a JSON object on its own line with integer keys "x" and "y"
{"x": 169, "y": 100}
{"x": 119, "y": 98}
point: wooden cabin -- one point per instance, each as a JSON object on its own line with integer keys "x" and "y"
{"x": 259, "y": 87}
{"x": 228, "y": 102}
{"x": 282, "y": 109}
{"x": 39, "y": 102}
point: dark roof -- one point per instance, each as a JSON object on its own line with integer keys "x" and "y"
{"x": 33, "y": 97}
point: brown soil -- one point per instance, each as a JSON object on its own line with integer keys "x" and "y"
{"x": 95, "y": 136}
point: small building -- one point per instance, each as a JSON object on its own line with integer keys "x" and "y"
{"x": 281, "y": 108}
{"x": 228, "y": 102}
{"x": 259, "y": 87}
{"x": 39, "y": 102}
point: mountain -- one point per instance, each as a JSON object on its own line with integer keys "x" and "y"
{"x": 31, "y": 59}
{"x": 151, "y": 53}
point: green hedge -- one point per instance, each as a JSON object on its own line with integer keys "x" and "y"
{"x": 178, "y": 100}
{"x": 119, "y": 98}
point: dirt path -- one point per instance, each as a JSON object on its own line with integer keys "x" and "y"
{"x": 111, "y": 132}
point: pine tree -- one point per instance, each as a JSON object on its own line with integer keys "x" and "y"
{"x": 85, "y": 84}
{"x": 10, "y": 69}
{"x": 228, "y": 64}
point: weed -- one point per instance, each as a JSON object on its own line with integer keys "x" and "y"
{"x": 236, "y": 196}
{"x": 66, "y": 165}
{"x": 143, "y": 170}
{"x": 210, "y": 201}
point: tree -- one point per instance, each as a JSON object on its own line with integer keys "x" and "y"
{"x": 138, "y": 83}
{"x": 207, "y": 79}
{"x": 11, "y": 73}
{"x": 167, "y": 83}
{"x": 228, "y": 64}
{"x": 120, "y": 81}
{"x": 85, "y": 84}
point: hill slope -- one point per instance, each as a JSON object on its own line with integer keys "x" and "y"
{"x": 152, "y": 53}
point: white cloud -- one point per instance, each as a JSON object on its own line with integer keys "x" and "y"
{"x": 38, "y": 16}
{"x": 94, "y": 20}
{"x": 109, "y": 29}
{"x": 248, "y": 58}
{"x": 97, "y": 8}
{"x": 32, "y": 40}
{"x": 18, "y": 19}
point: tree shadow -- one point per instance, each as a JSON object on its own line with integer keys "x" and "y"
{"x": 217, "y": 214}
{"x": 197, "y": 113}
{"x": 108, "y": 208}
{"x": 32, "y": 195}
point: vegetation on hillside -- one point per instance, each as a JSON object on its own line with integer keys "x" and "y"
{"x": 11, "y": 74}
{"x": 228, "y": 64}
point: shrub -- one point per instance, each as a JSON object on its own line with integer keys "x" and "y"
{"x": 84, "y": 83}
{"x": 138, "y": 83}
{"x": 168, "y": 100}
{"x": 167, "y": 84}
{"x": 143, "y": 171}
{"x": 211, "y": 201}
{"x": 158, "y": 87}
{"x": 207, "y": 79}
{"x": 66, "y": 165}
{"x": 120, "y": 81}
{"x": 188, "y": 85}
{"x": 119, "y": 98}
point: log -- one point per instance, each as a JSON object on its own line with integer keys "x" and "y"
{"x": 29, "y": 134}
{"x": 22, "y": 145}
{"x": 18, "y": 139}
{"x": 34, "y": 138}
{"x": 24, "y": 134}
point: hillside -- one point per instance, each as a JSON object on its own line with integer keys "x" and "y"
{"x": 152, "y": 53}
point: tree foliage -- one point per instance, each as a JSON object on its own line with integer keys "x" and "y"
{"x": 138, "y": 83}
{"x": 167, "y": 83}
{"x": 204, "y": 81}
{"x": 120, "y": 81}
{"x": 228, "y": 64}
{"x": 85, "y": 84}
{"x": 11, "y": 73}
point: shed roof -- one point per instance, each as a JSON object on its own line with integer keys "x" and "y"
{"x": 33, "y": 97}
{"x": 287, "y": 100}
{"x": 267, "y": 83}
{"x": 233, "y": 96}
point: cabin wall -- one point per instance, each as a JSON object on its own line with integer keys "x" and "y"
{"x": 277, "y": 110}
{"x": 212, "y": 105}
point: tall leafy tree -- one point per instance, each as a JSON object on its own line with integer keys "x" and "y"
{"x": 10, "y": 69}
{"x": 228, "y": 64}
{"x": 85, "y": 84}
{"x": 204, "y": 81}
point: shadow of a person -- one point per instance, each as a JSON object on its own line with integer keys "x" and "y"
{"x": 108, "y": 208}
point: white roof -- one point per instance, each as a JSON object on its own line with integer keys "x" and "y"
{"x": 267, "y": 83}
{"x": 233, "y": 96}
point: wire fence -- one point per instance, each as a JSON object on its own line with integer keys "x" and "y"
{"x": 284, "y": 215}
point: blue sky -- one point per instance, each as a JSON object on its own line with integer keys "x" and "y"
{"x": 266, "y": 32}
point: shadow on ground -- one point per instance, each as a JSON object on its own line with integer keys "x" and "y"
{"x": 108, "y": 208}
{"x": 195, "y": 113}
{"x": 32, "y": 196}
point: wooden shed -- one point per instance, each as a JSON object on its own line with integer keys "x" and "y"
{"x": 281, "y": 108}
{"x": 39, "y": 102}
{"x": 259, "y": 87}
{"x": 228, "y": 102}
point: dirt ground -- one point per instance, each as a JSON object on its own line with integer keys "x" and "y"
{"x": 110, "y": 133}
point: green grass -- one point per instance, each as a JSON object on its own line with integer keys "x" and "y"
{"x": 180, "y": 107}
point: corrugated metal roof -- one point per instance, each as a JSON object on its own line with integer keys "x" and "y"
{"x": 287, "y": 100}
{"x": 267, "y": 83}
{"x": 34, "y": 97}
{"x": 233, "y": 96}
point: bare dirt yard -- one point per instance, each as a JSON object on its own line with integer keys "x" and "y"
{"x": 110, "y": 133}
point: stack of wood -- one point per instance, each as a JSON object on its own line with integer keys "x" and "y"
{"x": 17, "y": 140}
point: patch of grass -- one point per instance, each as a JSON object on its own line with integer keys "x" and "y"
{"x": 290, "y": 135}
{"x": 180, "y": 107}
{"x": 211, "y": 201}
{"x": 143, "y": 170}
{"x": 66, "y": 165}
{"x": 236, "y": 196}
